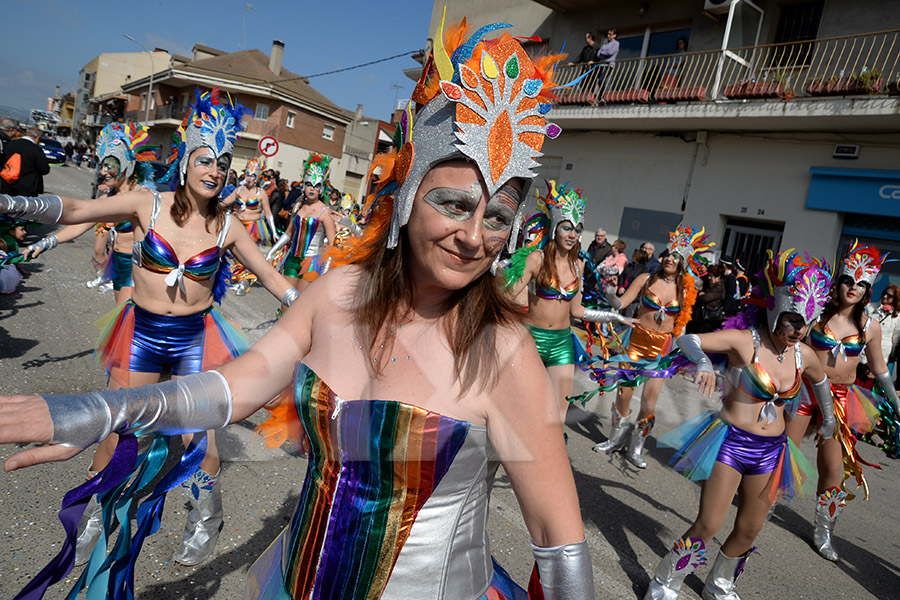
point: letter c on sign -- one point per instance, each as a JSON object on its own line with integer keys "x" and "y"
{"x": 890, "y": 192}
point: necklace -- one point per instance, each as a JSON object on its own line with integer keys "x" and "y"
{"x": 780, "y": 357}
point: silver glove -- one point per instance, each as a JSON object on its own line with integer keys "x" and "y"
{"x": 691, "y": 348}
{"x": 603, "y": 316}
{"x": 271, "y": 221}
{"x": 565, "y": 571}
{"x": 289, "y": 296}
{"x": 822, "y": 391}
{"x": 43, "y": 209}
{"x": 612, "y": 298}
{"x": 185, "y": 405}
{"x": 283, "y": 241}
{"x": 48, "y": 243}
{"x": 347, "y": 222}
{"x": 888, "y": 386}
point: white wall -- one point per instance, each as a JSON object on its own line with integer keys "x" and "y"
{"x": 767, "y": 175}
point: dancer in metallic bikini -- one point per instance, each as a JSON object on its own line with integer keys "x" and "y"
{"x": 742, "y": 449}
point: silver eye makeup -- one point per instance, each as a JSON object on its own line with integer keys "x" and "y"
{"x": 460, "y": 205}
{"x": 569, "y": 228}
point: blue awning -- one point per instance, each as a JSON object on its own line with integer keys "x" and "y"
{"x": 861, "y": 191}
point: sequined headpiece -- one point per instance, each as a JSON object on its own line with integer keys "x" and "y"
{"x": 315, "y": 169}
{"x": 862, "y": 263}
{"x": 690, "y": 244}
{"x": 563, "y": 203}
{"x": 253, "y": 168}
{"x": 795, "y": 283}
{"x": 214, "y": 123}
{"x": 481, "y": 100}
{"x": 120, "y": 142}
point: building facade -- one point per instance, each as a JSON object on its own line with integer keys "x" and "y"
{"x": 778, "y": 126}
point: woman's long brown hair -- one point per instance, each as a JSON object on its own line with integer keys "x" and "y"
{"x": 834, "y": 305}
{"x": 181, "y": 210}
{"x": 385, "y": 299}
{"x": 547, "y": 273}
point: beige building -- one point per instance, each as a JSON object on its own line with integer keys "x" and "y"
{"x": 282, "y": 105}
{"x": 777, "y": 128}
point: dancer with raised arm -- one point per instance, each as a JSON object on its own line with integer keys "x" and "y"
{"x": 839, "y": 338}
{"x": 742, "y": 449}
{"x": 410, "y": 362}
{"x": 251, "y": 206}
{"x": 170, "y": 321}
{"x": 666, "y": 300}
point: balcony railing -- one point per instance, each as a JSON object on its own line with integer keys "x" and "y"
{"x": 848, "y": 65}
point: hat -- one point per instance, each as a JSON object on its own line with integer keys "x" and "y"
{"x": 795, "y": 283}
{"x": 862, "y": 263}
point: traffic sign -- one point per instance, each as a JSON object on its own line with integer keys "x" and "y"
{"x": 268, "y": 146}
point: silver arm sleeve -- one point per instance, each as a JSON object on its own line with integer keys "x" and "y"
{"x": 822, "y": 391}
{"x": 271, "y": 221}
{"x": 566, "y": 572}
{"x": 690, "y": 346}
{"x": 43, "y": 209}
{"x": 289, "y": 296}
{"x": 888, "y": 386}
{"x": 603, "y": 316}
{"x": 281, "y": 243}
{"x": 612, "y": 298}
{"x": 186, "y": 405}
{"x": 48, "y": 243}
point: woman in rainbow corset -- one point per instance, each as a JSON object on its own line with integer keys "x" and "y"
{"x": 170, "y": 322}
{"x": 666, "y": 300}
{"x": 550, "y": 269}
{"x": 742, "y": 448}
{"x": 310, "y": 230}
{"x": 250, "y": 205}
{"x": 122, "y": 168}
{"x": 410, "y": 376}
{"x": 839, "y": 338}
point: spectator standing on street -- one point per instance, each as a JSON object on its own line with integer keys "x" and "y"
{"x": 712, "y": 300}
{"x": 70, "y": 152}
{"x": 600, "y": 248}
{"x": 652, "y": 262}
{"x": 730, "y": 300}
{"x": 24, "y": 166}
{"x": 613, "y": 265}
{"x": 8, "y": 129}
{"x": 743, "y": 283}
{"x": 887, "y": 312}
{"x": 633, "y": 269}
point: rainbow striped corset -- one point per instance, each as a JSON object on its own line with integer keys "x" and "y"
{"x": 309, "y": 236}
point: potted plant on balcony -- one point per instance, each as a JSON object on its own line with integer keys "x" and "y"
{"x": 867, "y": 82}
{"x": 750, "y": 89}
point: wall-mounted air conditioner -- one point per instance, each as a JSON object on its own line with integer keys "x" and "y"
{"x": 716, "y": 7}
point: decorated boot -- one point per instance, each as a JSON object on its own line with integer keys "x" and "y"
{"x": 636, "y": 444}
{"x": 620, "y": 428}
{"x": 831, "y": 503}
{"x": 89, "y": 529}
{"x": 721, "y": 580}
{"x": 685, "y": 556}
{"x": 204, "y": 522}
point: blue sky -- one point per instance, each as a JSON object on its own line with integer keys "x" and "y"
{"x": 46, "y": 42}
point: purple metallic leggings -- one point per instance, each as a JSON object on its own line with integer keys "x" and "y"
{"x": 749, "y": 453}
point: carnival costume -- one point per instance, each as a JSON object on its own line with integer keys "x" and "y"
{"x": 790, "y": 283}
{"x": 856, "y": 408}
{"x": 303, "y": 259}
{"x": 395, "y": 500}
{"x": 645, "y": 353}
{"x": 261, "y": 229}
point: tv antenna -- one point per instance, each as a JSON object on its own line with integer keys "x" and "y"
{"x": 247, "y": 7}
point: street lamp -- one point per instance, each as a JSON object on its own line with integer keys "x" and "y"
{"x": 150, "y": 88}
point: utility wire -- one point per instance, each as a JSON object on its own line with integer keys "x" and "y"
{"x": 373, "y": 62}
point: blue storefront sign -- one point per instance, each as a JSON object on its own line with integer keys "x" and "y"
{"x": 860, "y": 191}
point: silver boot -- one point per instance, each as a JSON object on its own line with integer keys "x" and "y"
{"x": 204, "y": 521}
{"x": 721, "y": 580}
{"x": 829, "y": 507}
{"x": 89, "y": 530}
{"x": 686, "y": 555}
{"x": 620, "y": 428}
{"x": 636, "y": 443}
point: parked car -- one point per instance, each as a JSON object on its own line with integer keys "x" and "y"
{"x": 53, "y": 150}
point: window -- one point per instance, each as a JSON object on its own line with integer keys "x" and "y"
{"x": 143, "y": 101}
{"x": 262, "y": 112}
{"x": 290, "y": 119}
{"x": 748, "y": 241}
{"x": 799, "y": 22}
{"x": 87, "y": 76}
{"x": 185, "y": 102}
{"x": 328, "y": 132}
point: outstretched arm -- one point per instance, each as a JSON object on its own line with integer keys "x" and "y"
{"x": 70, "y": 211}
{"x": 66, "y": 234}
{"x": 878, "y": 366}
{"x": 246, "y": 251}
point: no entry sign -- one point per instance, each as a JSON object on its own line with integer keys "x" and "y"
{"x": 268, "y": 146}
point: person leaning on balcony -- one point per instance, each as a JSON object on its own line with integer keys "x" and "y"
{"x": 589, "y": 52}
{"x": 606, "y": 56}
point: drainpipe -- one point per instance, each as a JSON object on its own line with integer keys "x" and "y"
{"x": 702, "y": 137}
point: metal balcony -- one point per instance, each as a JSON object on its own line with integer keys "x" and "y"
{"x": 863, "y": 66}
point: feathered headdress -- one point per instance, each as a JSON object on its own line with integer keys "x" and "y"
{"x": 127, "y": 144}
{"x": 690, "y": 244}
{"x": 483, "y": 100}
{"x": 214, "y": 122}
{"x": 862, "y": 263}
{"x": 795, "y": 283}
{"x": 253, "y": 168}
{"x": 315, "y": 169}
{"x": 561, "y": 204}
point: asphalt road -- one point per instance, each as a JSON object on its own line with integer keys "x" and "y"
{"x": 631, "y": 516}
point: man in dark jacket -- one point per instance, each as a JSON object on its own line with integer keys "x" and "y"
{"x": 600, "y": 248}
{"x": 24, "y": 166}
{"x": 730, "y": 300}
